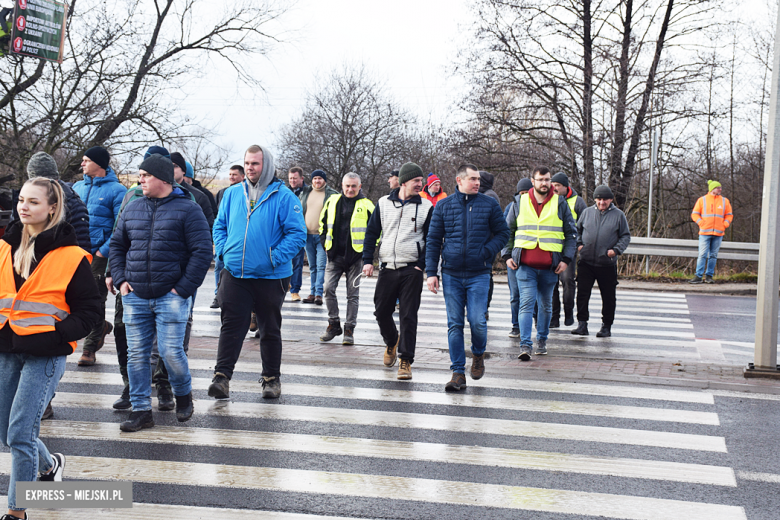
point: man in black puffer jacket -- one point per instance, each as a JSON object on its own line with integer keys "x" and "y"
{"x": 160, "y": 254}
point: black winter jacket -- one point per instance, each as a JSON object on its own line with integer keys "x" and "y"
{"x": 159, "y": 245}
{"x": 76, "y": 215}
{"x": 202, "y": 201}
{"x": 82, "y": 297}
{"x": 208, "y": 194}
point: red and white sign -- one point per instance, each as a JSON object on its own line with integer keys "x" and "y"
{"x": 22, "y": 4}
{"x": 18, "y": 45}
{"x": 21, "y": 23}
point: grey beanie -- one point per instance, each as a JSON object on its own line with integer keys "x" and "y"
{"x": 408, "y": 172}
{"x": 603, "y": 192}
{"x": 158, "y": 166}
{"x": 524, "y": 185}
{"x": 561, "y": 179}
{"x": 42, "y": 165}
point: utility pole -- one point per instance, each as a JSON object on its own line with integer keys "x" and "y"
{"x": 653, "y": 167}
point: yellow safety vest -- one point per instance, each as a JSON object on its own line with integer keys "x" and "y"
{"x": 545, "y": 230}
{"x": 357, "y": 224}
{"x": 572, "y": 201}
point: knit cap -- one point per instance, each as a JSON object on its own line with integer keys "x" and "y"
{"x": 319, "y": 173}
{"x": 189, "y": 171}
{"x": 179, "y": 161}
{"x": 42, "y": 165}
{"x": 711, "y": 185}
{"x": 561, "y": 179}
{"x": 99, "y": 156}
{"x": 432, "y": 178}
{"x": 394, "y": 173}
{"x": 408, "y": 172}
{"x": 524, "y": 185}
{"x": 158, "y": 150}
{"x": 158, "y": 166}
{"x": 603, "y": 192}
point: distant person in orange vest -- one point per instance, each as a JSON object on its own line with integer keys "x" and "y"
{"x": 432, "y": 190}
{"x": 49, "y": 302}
{"x": 713, "y": 215}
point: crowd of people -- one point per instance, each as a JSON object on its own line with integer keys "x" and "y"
{"x": 152, "y": 245}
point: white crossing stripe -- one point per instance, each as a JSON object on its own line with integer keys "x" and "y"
{"x": 399, "y": 450}
{"x": 388, "y": 487}
{"x": 759, "y": 477}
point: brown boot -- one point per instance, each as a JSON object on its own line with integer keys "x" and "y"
{"x": 477, "y": 366}
{"x": 87, "y": 358}
{"x": 391, "y": 354}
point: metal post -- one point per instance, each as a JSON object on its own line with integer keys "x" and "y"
{"x": 653, "y": 166}
{"x": 765, "y": 360}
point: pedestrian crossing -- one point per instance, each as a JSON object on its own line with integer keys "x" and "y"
{"x": 353, "y": 442}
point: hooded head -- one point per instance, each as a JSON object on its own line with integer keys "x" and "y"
{"x": 259, "y": 167}
{"x": 485, "y": 181}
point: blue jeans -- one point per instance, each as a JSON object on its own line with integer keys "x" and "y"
{"x": 297, "y": 277}
{"x": 317, "y": 260}
{"x": 514, "y": 296}
{"x": 708, "y": 254}
{"x": 167, "y": 317}
{"x": 470, "y": 292}
{"x": 219, "y": 265}
{"x": 536, "y": 286}
{"x": 27, "y": 384}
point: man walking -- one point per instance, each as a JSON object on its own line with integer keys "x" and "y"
{"x": 235, "y": 175}
{"x": 295, "y": 179}
{"x": 523, "y": 187}
{"x": 560, "y": 183}
{"x": 402, "y": 219}
{"x": 102, "y": 192}
{"x": 313, "y": 199}
{"x": 393, "y": 180}
{"x": 602, "y": 235}
{"x": 543, "y": 238}
{"x": 258, "y": 231}
{"x": 160, "y": 254}
{"x": 343, "y": 229}
{"x": 432, "y": 190}
{"x": 712, "y": 213}
{"x": 468, "y": 230}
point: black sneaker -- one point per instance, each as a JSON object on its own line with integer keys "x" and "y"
{"x": 55, "y": 475}
{"x": 184, "y": 407}
{"x": 123, "y": 403}
{"x": 708, "y": 279}
{"x": 541, "y": 348}
{"x": 138, "y": 421}
{"x": 695, "y": 280}
{"x": 514, "y": 333}
{"x": 165, "y": 402}
{"x": 220, "y": 386}
{"x": 214, "y": 304}
{"x": 605, "y": 331}
{"x": 456, "y": 384}
{"x": 582, "y": 329}
{"x": 272, "y": 387}
{"x": 333, "y": 330}
{"x": 525, "y": 354}
{"x": 555, "y": 323}
{"x": 48, "y": 413}
{"x": 569, "y": 320}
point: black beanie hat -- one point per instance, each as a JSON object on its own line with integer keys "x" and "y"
{"x": 524, "y": 185}
{"x": 408, "y": 172}
{"x": 561, "y": 179}
{"x": 178, "y": 160}
{"x": 603, "y": 192}
{"x": 394, "y": 173}
{"x": 158, "y": 166}
{"x": 99, "y": 156}
{"x": 319, "y": 173}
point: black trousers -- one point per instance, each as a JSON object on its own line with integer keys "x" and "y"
{"x": 566, "y": 279}
{"x": 237, "y": 298}
{"x": 98, "y": 267}
{"x": 405, "y": 286}
{"x": 607, "y": 278}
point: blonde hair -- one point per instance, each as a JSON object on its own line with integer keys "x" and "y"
{"x": 25, "y": 255}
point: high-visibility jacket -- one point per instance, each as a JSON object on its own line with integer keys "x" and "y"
{"x": 357, "y": 224}
{"x": 545, "y": 230}
{"x": 712, "y": 214}
{"x": 439, "y": 196}
{"x": 572, "y": 201}
{"x": 40, "y": 303}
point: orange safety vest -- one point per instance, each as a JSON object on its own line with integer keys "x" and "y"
{"x": 441, "y": 195}
{"x": 40, "y": 303}
{"x": 712, "y": 214}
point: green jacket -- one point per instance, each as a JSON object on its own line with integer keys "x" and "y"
{"x": 304, "y": 196}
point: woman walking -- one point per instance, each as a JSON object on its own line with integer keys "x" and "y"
{"x": 48, "y": 301}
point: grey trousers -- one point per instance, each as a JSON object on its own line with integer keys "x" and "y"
{"x": 333, "y": 272}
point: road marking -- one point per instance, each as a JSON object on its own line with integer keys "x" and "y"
{"x": 386, "y": 487}
{"x": 759, "y": 477}
{"x": 745, "y": 395}
{"x": 399, "y": 450}
{"x": 710, "y": 350}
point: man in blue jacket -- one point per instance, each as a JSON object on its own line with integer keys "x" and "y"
{"x": 160, "y": 254}
{"x": 258, "y": 231}
{"x": 467, "y": 230}
{"x": 102, "y": 192}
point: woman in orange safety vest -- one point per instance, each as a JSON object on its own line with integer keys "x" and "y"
{"x": 48, "y": 301}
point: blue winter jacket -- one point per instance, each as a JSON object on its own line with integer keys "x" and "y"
{"x": 103, "y": 197}
{"x": 468, "y": 230}
{"x": 261, "y": 242}
{"x": 161, "y": 244}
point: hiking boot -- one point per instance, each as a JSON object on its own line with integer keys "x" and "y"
{"x": 138, "y": 421}
{"x": 87, "y": 358}
{"x": 318, "y": 300}
{"x": 525, "y": 354}
{"x": 605, "y": 331}
{"x": 514, "y": 333}
{"x": 349, "y": 338}
{"x": 55, "y": 474}
{"x": 582, "y": 329}
{"x": 48, "y": 413}
{"x": 309, "y": 299}
{"x": 123, "y": 403}
{"x": 272, "y": 387}
{"x": 456, "y": 384}
{"x": 333, "y": 330}
{"x": 295, "y": 297}
{"x": 391, "y": 354}
{"x": 214, "y": 304}
{"x": 695, "y": 280}
{"x": 541, "y": 347}
{"x": 477, "y": 366}
{"x": 107, "y": 328}
{"x": 555, "y": 323}
{"x": 253, "y": 322}
{"x": 708, "y": 279}
{"x": 568, "y": 319}
{"x": 165, "y": 402}
{"x": 404, "y": 370}
{"x": 184, "y": 407}
{"x": 220, "y": 386}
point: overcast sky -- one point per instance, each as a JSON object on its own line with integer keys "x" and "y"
{"x": 410, "y": 44}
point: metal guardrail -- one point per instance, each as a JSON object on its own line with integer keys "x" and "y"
{"x": 747, "y": 251}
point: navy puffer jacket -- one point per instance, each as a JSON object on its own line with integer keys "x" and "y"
{"x": 469, "y": 231}
{"x": 161, "y": 244}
